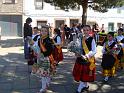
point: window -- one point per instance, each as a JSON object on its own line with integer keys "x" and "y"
{"x": 57, "y": 8}
{"x": 119, "y": 11}
{"x": 41, "y": 23}
{"x": 39, "y": 4}
{"x": 9, "y": 1}
{"x": 73, "y": 21}
{"x": 110, "y": 27}
{"x": 119, "y": 25}
{"x": 59, "y": 22}
{"x": 91, "y": 23}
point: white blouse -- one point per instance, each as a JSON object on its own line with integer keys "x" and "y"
{"x": 58, "y": 40}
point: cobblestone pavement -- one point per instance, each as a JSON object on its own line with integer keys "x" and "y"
{"x": 15, "y": 76}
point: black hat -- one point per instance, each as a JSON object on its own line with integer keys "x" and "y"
{"x": 111, "y": 33}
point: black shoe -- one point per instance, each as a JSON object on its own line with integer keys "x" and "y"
{"x": 85, "y": 89}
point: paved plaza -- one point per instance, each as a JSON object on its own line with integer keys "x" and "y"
{"x": 15, "y": 76}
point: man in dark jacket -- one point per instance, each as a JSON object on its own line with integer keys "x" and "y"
{"x": 27, "y": 32}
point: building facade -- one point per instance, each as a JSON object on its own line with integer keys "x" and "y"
{"x": 112, "y": 20}
{"x": 11, "y": 15}
{"x": 44, "y": 13}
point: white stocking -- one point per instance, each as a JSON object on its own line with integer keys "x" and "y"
{"x": 86, "y": 84}
{"x": 44, "y": 85}
{"x": 48, "y": 80}
{"x": 81, "y": 85}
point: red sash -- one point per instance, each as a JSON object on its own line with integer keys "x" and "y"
{"x": 51, "y": 59}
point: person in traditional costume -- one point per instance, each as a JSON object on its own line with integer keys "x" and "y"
{"x": 57, "y": 53}
{"x": 84, "y": 68}
{"x": 35, "y": 37}
{"x": 62, "y": 34}
{"x": 45, "y": 66}
{"x": 36, "y": 34}
{"x": 120, "y": 41}
{"x": 46, "y": 47}
{"x": 109, "y": 57}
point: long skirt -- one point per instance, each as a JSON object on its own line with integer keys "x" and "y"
{"x": 42, "y": 70}
{"x": 81, "y": 71}
{"x": 57, "y": 54}
{"x": 108, "y": 61}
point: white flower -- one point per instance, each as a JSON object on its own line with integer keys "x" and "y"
{"x": 74, "y": 46}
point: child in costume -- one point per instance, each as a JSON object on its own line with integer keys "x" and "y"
{"x": 34, "y": 39}
{"x": 45, "y": 66}
{"x": 57, "y": 53}
{"x": 110, "y": 51}
{"x": 120, "y": 41}
{"x": 84, "y": 68}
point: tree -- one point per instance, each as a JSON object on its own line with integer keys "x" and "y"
{"x": 98, "y": 5}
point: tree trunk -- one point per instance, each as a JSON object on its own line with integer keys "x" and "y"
{"x": 84, "y": 15}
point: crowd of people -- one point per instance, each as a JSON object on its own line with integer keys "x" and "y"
{"x": 44, "y": 53}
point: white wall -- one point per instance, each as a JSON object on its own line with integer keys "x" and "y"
{"x": 50, "y": 14}
{"x": 105, "y": 18}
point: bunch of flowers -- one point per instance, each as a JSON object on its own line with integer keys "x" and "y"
{"x": 116, "y": 49}
{"x": 74, "y": 46}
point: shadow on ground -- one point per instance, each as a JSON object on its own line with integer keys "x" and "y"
{"x": 11, "y": 43}
{"x": 14, "y": 71}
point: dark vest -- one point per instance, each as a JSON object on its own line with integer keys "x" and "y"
{"x": 48, "y": 45}
{"x": 55, "y": 39}
{"x": 111, "y": 46}
{"x": 88, "y": 43}
{"x": 35, "y": 38}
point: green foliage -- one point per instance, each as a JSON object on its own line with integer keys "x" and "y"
{"x": 98, "y": 5}
{"x": 103, "y": 5}
{"x": 64, "y": 4}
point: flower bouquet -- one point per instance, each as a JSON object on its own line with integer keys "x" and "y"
{"x": 74, "y": 46}
{"x": 116, "y": 49}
